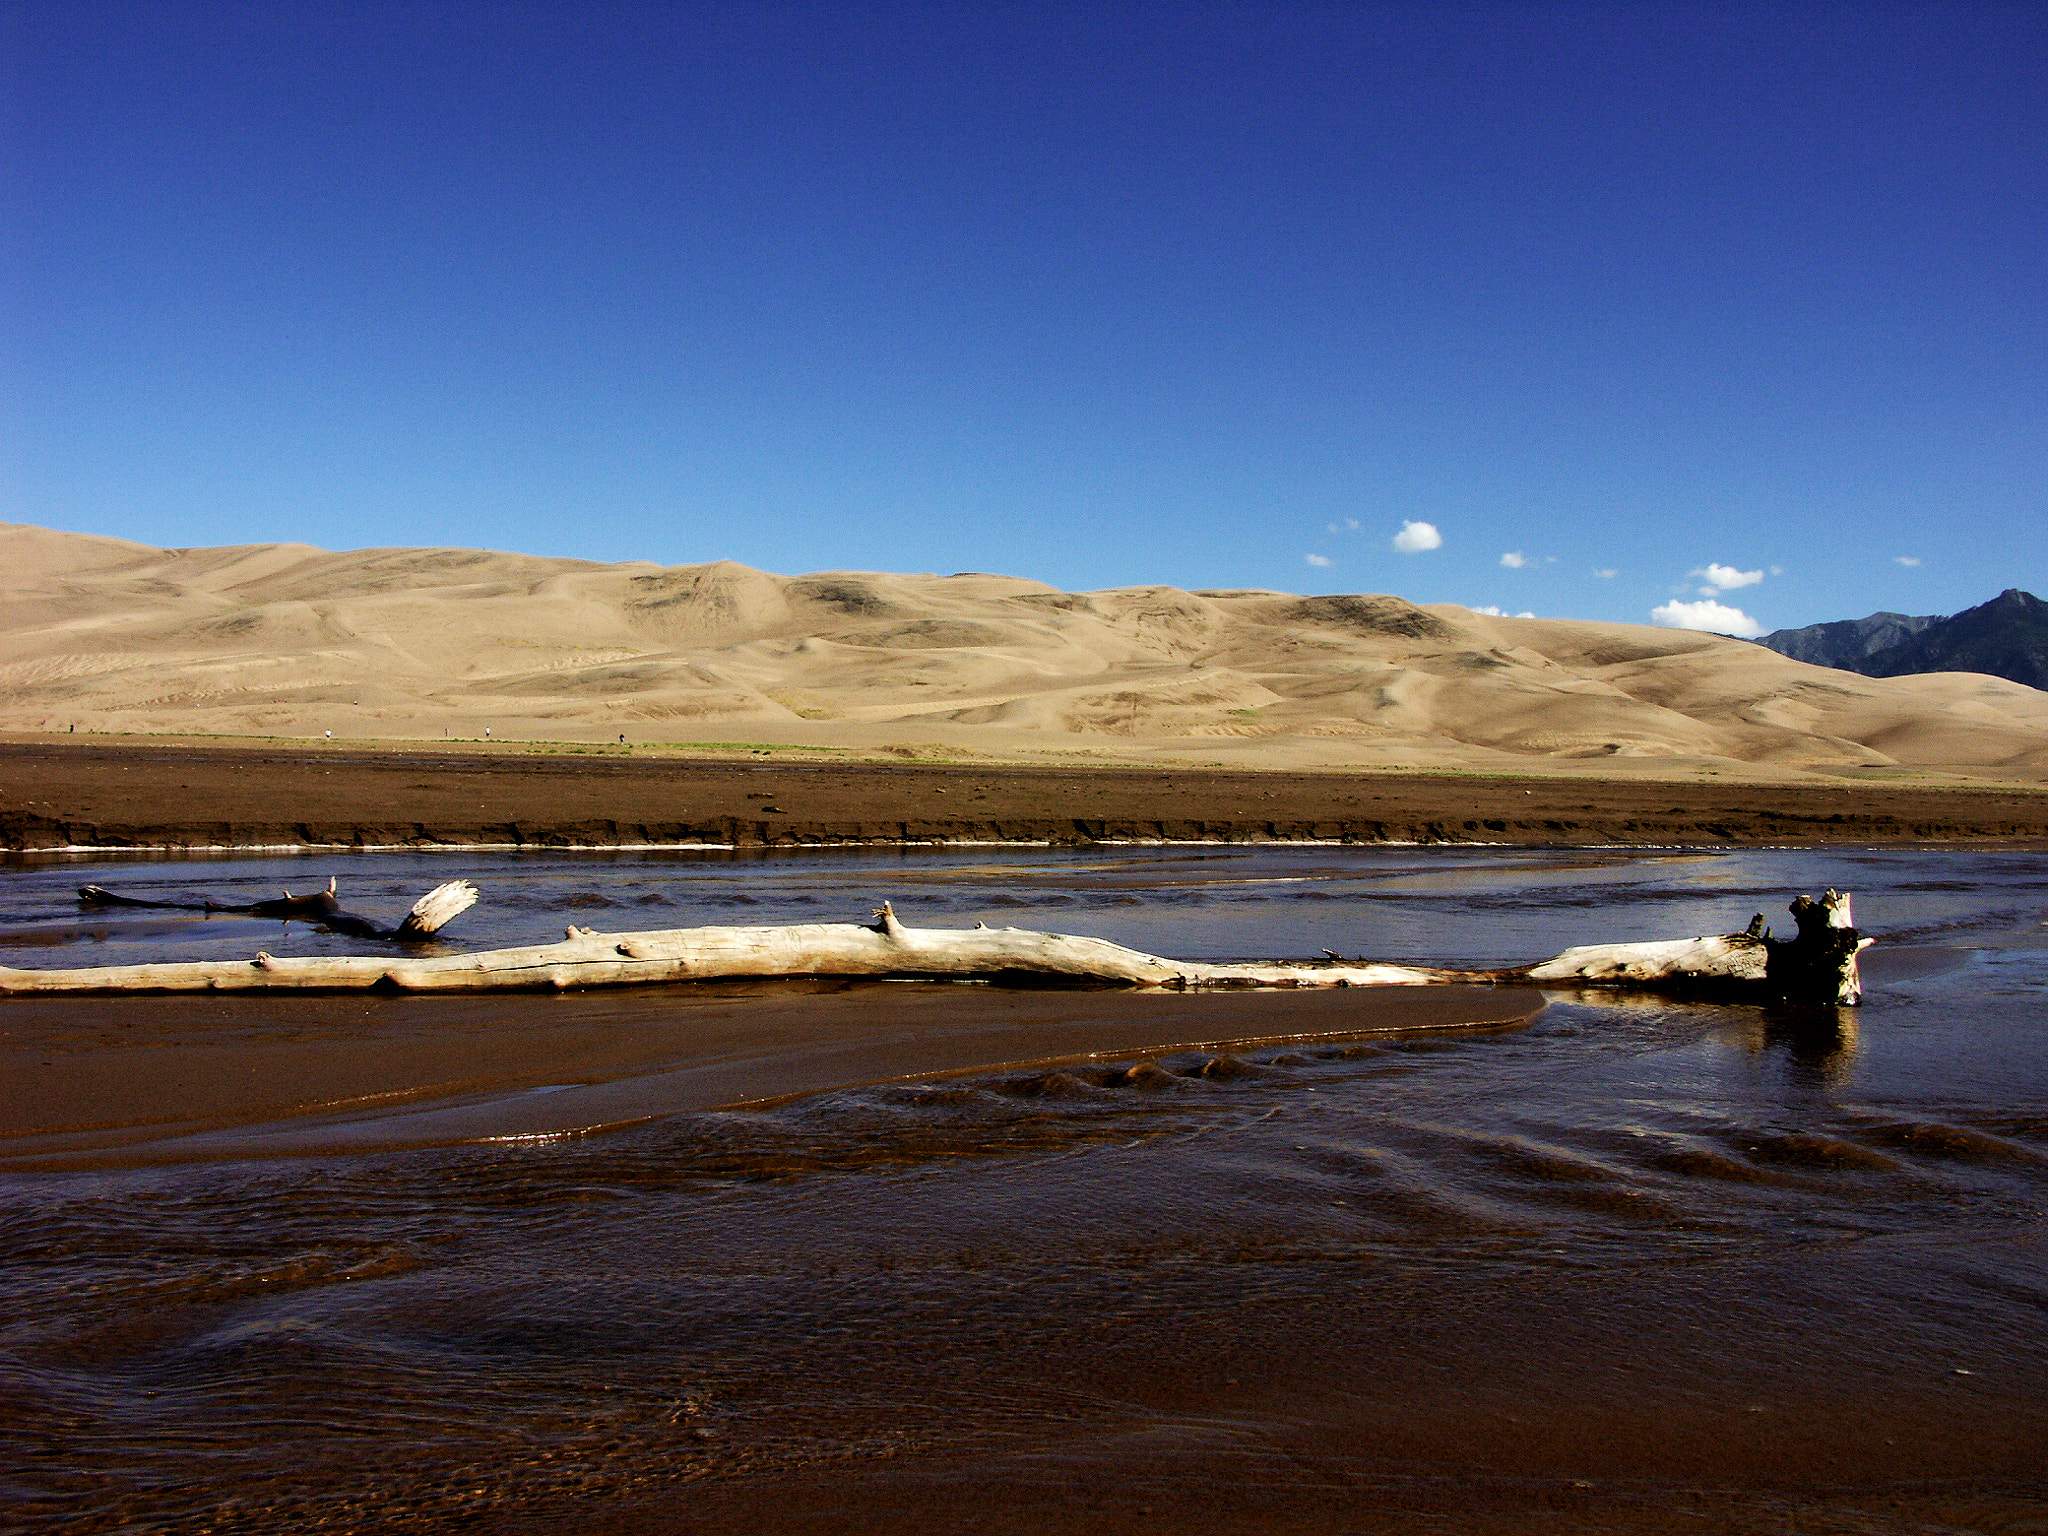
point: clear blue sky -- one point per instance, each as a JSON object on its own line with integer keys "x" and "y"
{"x": 1102, "y": 294}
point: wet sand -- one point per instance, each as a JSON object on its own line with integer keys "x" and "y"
{"x": 1736, "y": 1394}
{"x": 122, "y": 1081}
{"x": 152, "y": 793}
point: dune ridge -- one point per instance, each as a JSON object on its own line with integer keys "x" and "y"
{"x": 288, "y": 639}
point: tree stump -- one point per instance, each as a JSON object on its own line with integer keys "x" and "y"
{"x": 1819, "y": 966}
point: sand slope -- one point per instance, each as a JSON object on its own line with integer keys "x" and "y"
{"x": 286, "y": 639}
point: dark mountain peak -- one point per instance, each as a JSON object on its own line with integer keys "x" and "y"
{"x": 2013, "y": 600}
{"x": 2006, "y": 637}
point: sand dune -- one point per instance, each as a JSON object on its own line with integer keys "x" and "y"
{"x": 286, "y": 639}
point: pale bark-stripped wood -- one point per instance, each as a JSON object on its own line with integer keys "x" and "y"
{"x": 1716, "y": 957}
{"x": 1748, "y": 961}
{"x": 1819, "y": 966}
{"x": 433, "y": 911}
{"x": 588, "y": 959}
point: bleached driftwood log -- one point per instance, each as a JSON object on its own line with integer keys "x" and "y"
{"x": 588, "y": 959}
{"x": 1819, "y": 966}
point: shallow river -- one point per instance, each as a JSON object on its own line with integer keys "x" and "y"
{"x": 972, "y": 1259}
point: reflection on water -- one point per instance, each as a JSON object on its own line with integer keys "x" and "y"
{"x": 1773, "y": 1268}
{"x": 1817, "y": 1045}
{"x": 1811, "y": 1047}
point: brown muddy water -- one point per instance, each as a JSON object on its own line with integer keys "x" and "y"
{"x": 816, "y": 1257}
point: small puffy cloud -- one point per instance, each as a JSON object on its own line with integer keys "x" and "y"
{"x": 1495, "y": 611}
{"x": 1905, "y": 560}
{"x": 1607, "y": 574}
{"x": 1349, "y": 525}
{"x": 1514, "y": 559}
{"x": 1725, "y": 578}
{"x": 1414, "y": 538}
{"x": 1319, "y": 560}
{"x": 1717, "y": 618}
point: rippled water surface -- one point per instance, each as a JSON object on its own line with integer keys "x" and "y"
{"x": 1631, "y": 1260}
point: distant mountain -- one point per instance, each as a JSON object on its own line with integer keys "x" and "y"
{"x": 1846, "y": 643}
{"x": 2006, "y": 637}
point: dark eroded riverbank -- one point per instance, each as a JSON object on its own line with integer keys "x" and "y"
{"x": 143, "y": 793}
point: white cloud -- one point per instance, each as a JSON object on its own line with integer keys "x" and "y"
{"x": 1349, "y": 525}
{"x": 1514, "y": 559}
{"x": 1319, "y": 560}
{"x": 1725, "y": 578}
{"x": 1414, "y": 538}
{"x": 1715, "y": 617}
{"x": 1905, "y": 559}
{"x": 1607, "y": 575}
{"x": 1495, "y": 611}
